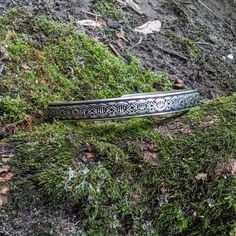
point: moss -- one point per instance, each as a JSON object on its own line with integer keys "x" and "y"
{"x": 196, "y": 115}
{"x": 64, "y": 65}
{"x": 13, "y": 109}
{"x": 109, "y": 9}
{"x": 191, "y": 47}
{"x": 186, "y": 43}
{"x": 119, "y": 192}
{"x": 98, "y": 168}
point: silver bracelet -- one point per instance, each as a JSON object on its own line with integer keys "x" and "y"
{"x": 127, "y": 106}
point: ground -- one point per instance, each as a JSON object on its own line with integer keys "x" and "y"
{"x": 172, "y": 175}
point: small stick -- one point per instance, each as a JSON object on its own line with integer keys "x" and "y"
{"x": 91, "y": 13}
{"x": 139, "y": 42}
{"x": 115, "y": 51}
{"x": 208, "y": 9}
{"x": 174, "y": 53}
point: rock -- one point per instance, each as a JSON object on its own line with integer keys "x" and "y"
{"x": 113, "y": 24}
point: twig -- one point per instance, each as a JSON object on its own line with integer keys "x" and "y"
{"x": 91, "y": 13}
{"x": 139, "y": 42}
{"x": 173, "y": 53}
{"x": 203, "y": 43}
{"x": 115, "y": 51}
{"x": 208, "y": 9}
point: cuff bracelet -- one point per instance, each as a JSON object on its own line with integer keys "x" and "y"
{"x": 127, "y": 106}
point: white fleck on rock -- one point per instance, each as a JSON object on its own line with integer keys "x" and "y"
{"x": 230, "y": 56}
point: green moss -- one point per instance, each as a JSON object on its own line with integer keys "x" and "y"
{"x": 187, "y": 43}
{"x": 64, "y": 65}
{"x": 118, "y": 191}
{"x": 13, "y": 109}
{"x": 196, "y": 115}
{"x": 109, "y": 9}
{"x": 191, "y": 47}
{"x": 100, "y": 168}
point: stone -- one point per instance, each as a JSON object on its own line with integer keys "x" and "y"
{"x": 113, "y": 24}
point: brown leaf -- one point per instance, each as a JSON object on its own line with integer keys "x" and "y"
{"x": 179, "y": 81}
{"x": 5, "y": 176}
{"x": 89, "y": 157}
{"x": 179, "y": 86}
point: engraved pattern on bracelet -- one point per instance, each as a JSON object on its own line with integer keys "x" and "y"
{"x": 133, "y": 107}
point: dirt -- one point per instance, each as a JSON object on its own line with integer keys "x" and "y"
{"x": 38, "y": 222}
{"x": 186, "y": 26}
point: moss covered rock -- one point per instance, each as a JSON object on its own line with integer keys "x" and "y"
{"x": 123, "y": 177}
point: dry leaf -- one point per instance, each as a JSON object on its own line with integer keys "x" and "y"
{"x": 149, "y": 27}
{"x": 89, "y": 156}
{"x": 123, "y": 3}
{"x": 201, "y": 176}
{"x": 25, "y": 67}
{"x": 4, "y": 188}
{"x": 121, "y": 35}
{"x": 134, "y": 6}
{"x": 3, "y": 200}
{"x": 6, "y": 176}
{"x": 90, "y": 23}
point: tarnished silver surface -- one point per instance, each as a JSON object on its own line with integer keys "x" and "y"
{"x": 127, "y": 106}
